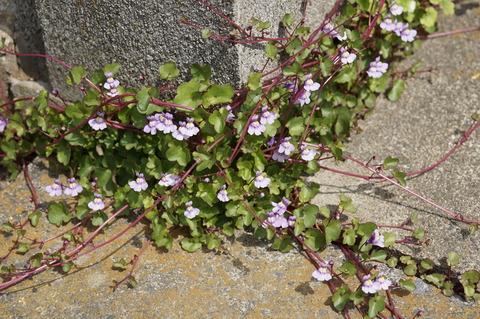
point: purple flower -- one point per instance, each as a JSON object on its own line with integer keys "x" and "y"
{"x": 54, "y": 189}
{"x": 381, "y": 282}
{"x": 341, "y": 37}
{"x": 322, "y": 273}
{"x": 98, "y": 122}
{"x": 285, "y": 146}
{"x": 222, "y": 194}
{"x": 177, "y": 134}
{"x": 347, "y": 57}
{"x": 151, "y": 126}
{"x": 368, "y": 286}
{"x": 255, "y": 127}
{"x": 291, "y": 221}
{"x": 388, "y": 24}
{"x": 73, "y": 188}
{"x": 111, "y": 85}
{"x": 377, "y": 68}
{"x": 280, "y": 221}
{"x": 165, "y": 123}
{"x": 399, "y": 28}
{"x": 140, "y": 184}
{"x": 267, "y": 117}
{"x": 408, "y": 35}
{"x": 395, "y": 9}
{"x": 3, "y": 123}
{"x": 279, "y": 157}
{"x": 271, "y": 141}
{"x": 310, "y": 85}
{"x": 230, "y": 116}
{"x": 304, "y": 98}
{"x": 376, "y": 239}
{"x": 280, "y": 207}
{"x": 328, "y": 28}
{"x": 191, "y": 212}
{"x": 189, "y": 129}
{"x": 261, "y": 180}
{"x": 97, "y": 204}
{"x": 307, "y": 154}
{"x": 169, "y": 179}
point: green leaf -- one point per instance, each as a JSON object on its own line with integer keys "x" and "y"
{"x": 397, "y": 89}
{"x": 333, "y": 229}
{"x": 64, "y": 152}
{"x": 98, "y": 218}
{"x": 254, "y": 80}
{"x": 283, "y": 244}
{"x": 188, "y": 94}
{"x": 201, "y": 73}
{"x": 288, "y": 20}
{"x": 309, "y": 192}
{"x": 388, "y": 239}
{"x": 407, "y": 284}
{"x": 315, "y": 239}
{"x": 348, "y": 269}
{"x": 295, "y": 126}
{"x": 67, "y": 266}
{"x": 58, "y": 214}
{"x": 36, "y": 260}
{"x": 294, "y": 69}
{"x": 76, "y": 75}
{"x": 179, "y": 154}
{"x": 436, "y": 279}
{"x": 453, "y": 259}
{"x": 400, "y": 177}
{"x": 23, "y": 248}
{"x": 77, "y": 110}
{"x": 121, "y": 264}
{"x": 206, "y": 33}
{"x": 310, "y": 215}
{"x": 427, "y": 263}
{"x": 217, "y": 120}
{"x": 376, "y": 305}
{"x": 143, "y": 99}
{"x": 35, "y": 218}
{"x": 341, "y": 297}
{"x": 429, "y": 18}
{"x": 378, "y": 255}
{"x": 191, "y": 244}
{"x": 349, "y": 237}
{"x": 346, "y": 204}
{"x": 410, "y": 270}
{"x": 390, "y": 162}
{"x": 342, "y": 124}
{"x": 447, "y": 6}
{"x": 112, "y": 68}
{"x": 271, "y": 52}
{"x": 217, "y": 94}
{"x": 168, "y": 71}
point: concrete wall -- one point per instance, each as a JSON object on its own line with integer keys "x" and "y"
{"x": 142, "y": 35}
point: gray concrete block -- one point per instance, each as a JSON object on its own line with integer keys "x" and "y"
{"x": 143, "y": 36}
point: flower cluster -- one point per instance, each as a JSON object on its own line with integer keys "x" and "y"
{"x": 98, "y": 122}
{"x": 3, "y": 123}
{"x": 322, "y": 273}
{"x": 276, "y": 217}
{"x": 72, "y": 188}
{"x": 284, "y": 149}
{"x": 400, "y": 29}
{"x": 329, "y": 27}
{"x": 169, "y": 179}
{"x": 111, "y": 85}
{"x": 163, "y": 122}
{"x": 308, "y": 87}
{"x": 371, "y": 287}
{"x": 377, "y": 68}
{"x": 257, "y": 124}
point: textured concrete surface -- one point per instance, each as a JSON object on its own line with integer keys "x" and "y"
{"x": 141, "y": 36}
{"x": 254, "y": 282}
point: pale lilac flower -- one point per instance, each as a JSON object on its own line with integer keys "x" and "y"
{"x": 310, "y": 85}
{"x": 54, "y": 189}
{"x": 307, "y": 154}
{"x": 73, "y": 188}
{"x": 399, "y": 28}
{"x": 279, "y": 157}
{"x": 280, "y": 221}
{"x": 267, "y": 116}
{"x": 140, "y": 184}
{"x": 285, "y": 146}
{"x": 111, "y": 85}
{"x": 377, "y": 68}
{"x": 347, "y": 57}
{"x": 341, "y": 37}
{"x": 261, "y": 180}
{"x": 388, "y": 24}
{"x": 271, "y": 141}
{"x": 165, "y": 123}
{"x": 395, "y": 9}
{"x": 97, "y": 204}
{"x": 230, "y": 116}
{"x": 255, "y": 127}
{"x": 381, "y": 282}
{"x": 328, "y": 28}
{"x": 368, "y": 286}
{"x": 151, "y": 126}
{"x": 280, "y": 207}
{"x": 177, "y": 134}
{"x": 408, "y": 35}
{"x": 3, "y": 123}
{"x": 304, "y": 98}
{"x": 98, "y": 122}
{"x": 189, "y": 129}
{"x": 376, "y": 239}
{"x": 222, "y": 194}
{"x": 191, "y": 212}
{"x": 322, "y": 273}
{"x": 169, "y": 179}
{"x": 291, "y": 221}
